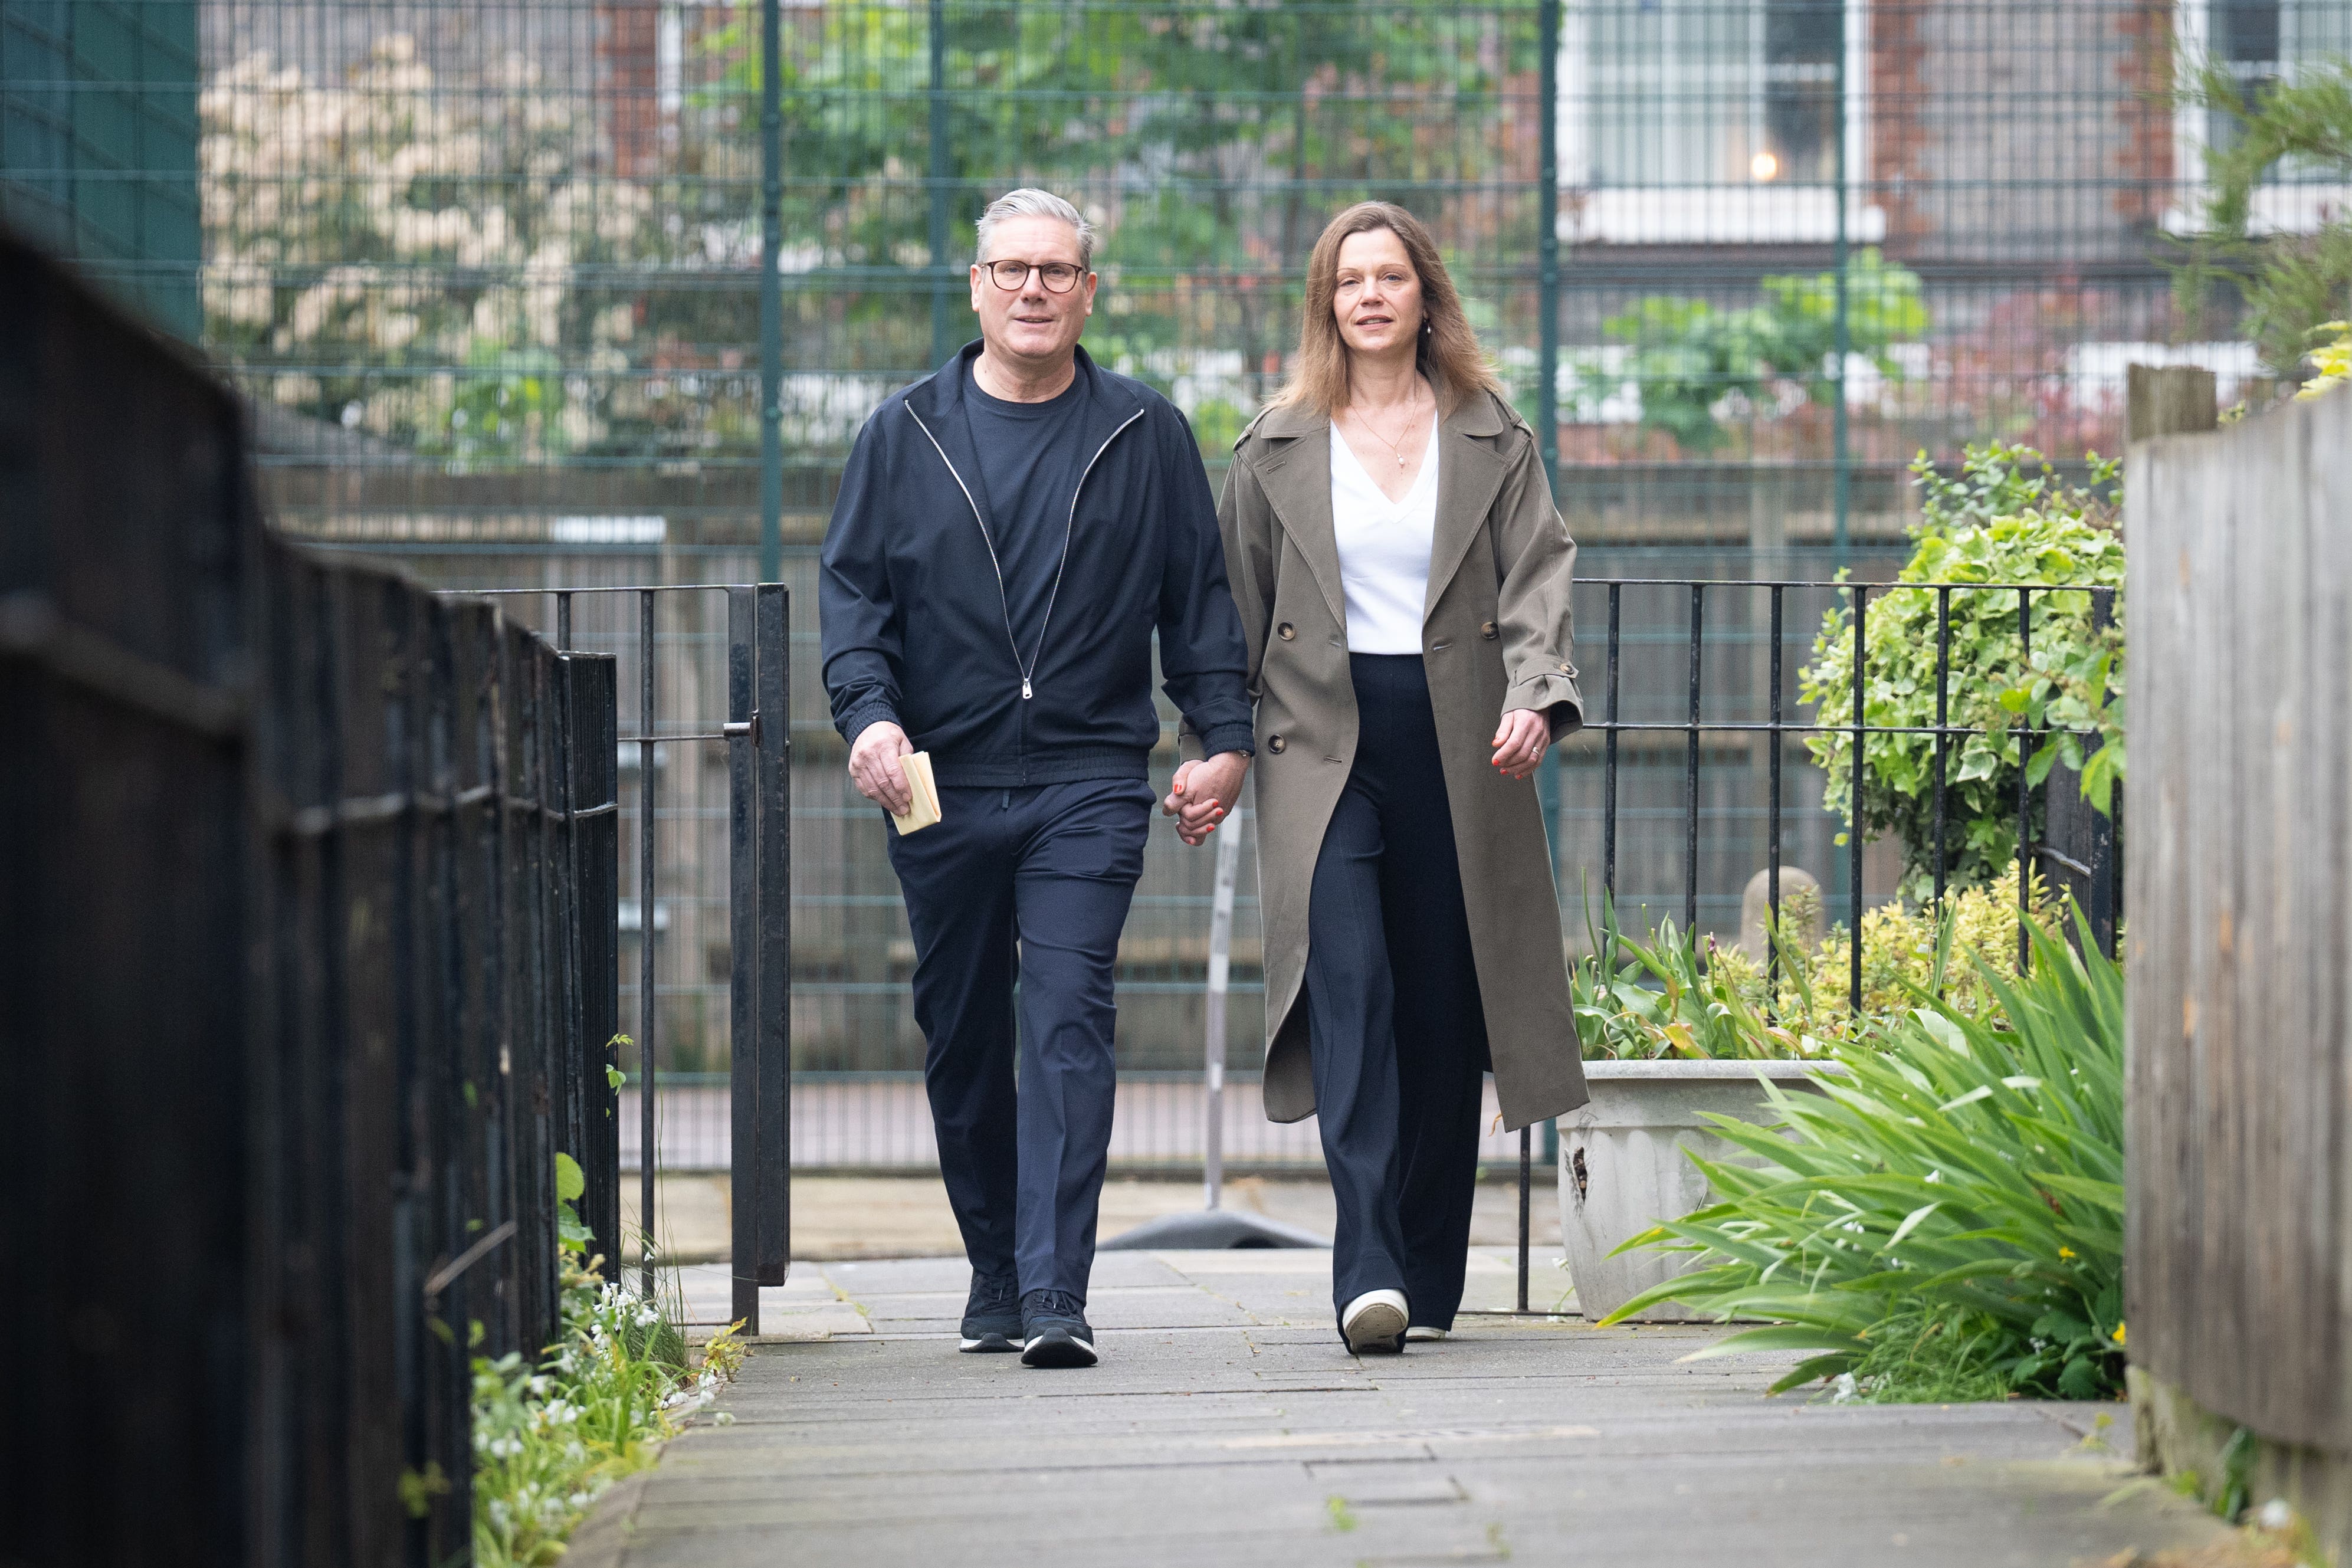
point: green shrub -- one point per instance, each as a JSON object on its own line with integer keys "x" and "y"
{"x": 2007, "y": 519}
{"x": 1946, "y": 1214}
{"x": 550, "y": 1439}
{"x": 1681, "y": 995}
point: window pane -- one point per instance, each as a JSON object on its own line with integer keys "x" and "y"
{"x": 1687, "y": 92}
{"x": 1802, "y": 42}
{"x": 2246, "y": 31}
{"x": 2261, "y": 41}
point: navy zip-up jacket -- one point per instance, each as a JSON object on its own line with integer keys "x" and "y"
{"x": 914, "y": 613}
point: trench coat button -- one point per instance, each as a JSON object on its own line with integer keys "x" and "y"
{"x": 1487, "y": 630}
{"x": 1286, "y": 631}
{"x": 1568, "y": 670}
{"x": 1275, "y": 744}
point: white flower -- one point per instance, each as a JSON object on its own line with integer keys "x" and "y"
{"x": 2275, "y": 1514}
{"x": 1843, "y": 1390}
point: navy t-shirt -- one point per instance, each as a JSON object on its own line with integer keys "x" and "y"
{"x": 1031, "y": 457}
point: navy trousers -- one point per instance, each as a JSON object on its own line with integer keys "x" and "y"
{"x": 1397, "y": 1030}
{"x": 1030, "y": 884}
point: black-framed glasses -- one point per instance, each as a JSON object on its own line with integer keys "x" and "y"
{"x": 1059, "y": 277}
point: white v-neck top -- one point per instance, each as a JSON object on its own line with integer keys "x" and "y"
{"x": 1384, "y": 548}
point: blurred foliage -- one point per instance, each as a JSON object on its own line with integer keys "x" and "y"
{"x": 1691, "y": 358}
{"x": 1154, "y": 120}
{"x": 2293, "y": 285}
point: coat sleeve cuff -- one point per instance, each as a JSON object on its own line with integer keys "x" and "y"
{"x": 872, "y": 712}
{"x": 1551, "y": 692}
{"x": 1220, "y": 738}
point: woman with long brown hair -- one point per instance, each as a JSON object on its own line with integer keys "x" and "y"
{"x": 1403, "y": 582}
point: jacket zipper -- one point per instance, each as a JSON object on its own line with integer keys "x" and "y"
{"x": 1003, "y": 599}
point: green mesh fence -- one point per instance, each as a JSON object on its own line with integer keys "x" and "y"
{"x": 491, "y": 273}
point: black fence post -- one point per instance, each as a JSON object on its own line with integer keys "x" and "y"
{"x": 2078, "y": 839}
{"x": 743, "y": 953}
{"x": 596, "y": 851}
{"x": 774, "y": 741}
{"x": 445, "y": 1450}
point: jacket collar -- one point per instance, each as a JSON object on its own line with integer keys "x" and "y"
{"x": 941, "y": 394}
{"x": 1295, "y": 474}
{"x": 1105, "y": 404}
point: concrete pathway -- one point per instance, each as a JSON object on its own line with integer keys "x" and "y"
{"x": 1227, "y": 1427}
{"x": 908, "y": 1216}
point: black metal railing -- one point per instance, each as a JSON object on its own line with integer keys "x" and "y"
{"x": 2085, "y": 857}
{"x": 757, "y": 734}
{"x": 305, "y": 926}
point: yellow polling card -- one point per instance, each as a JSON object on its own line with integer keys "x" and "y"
{"x": 925, "y": 811}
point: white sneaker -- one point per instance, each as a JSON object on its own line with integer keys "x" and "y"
{"x": 1374, "y": 1321}
{"x": 1418, "y": 1334}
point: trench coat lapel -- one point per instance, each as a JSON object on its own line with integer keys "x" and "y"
{"x": 1469, "y": 472}
{"x": 1295, "y": 475}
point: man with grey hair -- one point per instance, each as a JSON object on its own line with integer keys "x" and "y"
{"x": 1010, "y": 534}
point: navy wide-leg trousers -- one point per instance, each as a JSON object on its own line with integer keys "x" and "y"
{"x": 1030, "y": 884}
{"x": 1396, "y": 1027}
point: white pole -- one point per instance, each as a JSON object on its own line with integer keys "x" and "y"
{"x": 1220, "y": 951}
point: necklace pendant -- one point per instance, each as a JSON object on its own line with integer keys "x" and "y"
{"x": 1399, "y": 459}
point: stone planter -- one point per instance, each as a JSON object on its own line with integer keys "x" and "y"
{"x": 1623, "y": 1168}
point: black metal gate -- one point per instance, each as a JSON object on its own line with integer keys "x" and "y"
{"x": 757, "y": 732}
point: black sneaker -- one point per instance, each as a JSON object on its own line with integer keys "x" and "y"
{"x": 1053, "y": 1327}
{"x": 991, "y": 1317}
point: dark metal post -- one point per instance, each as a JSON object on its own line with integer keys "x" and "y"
{"x": 773, "y": 714}
{"x": 596, "y": 849}
{"x": 2105, "y": 861}
{"x": 1547, "y": 246}
{"x": 1853, "y": 831}
{"x": 1527, "y": 1205}
{"x": 743, "y": 960}
{"x": 2024, "y": 792}
{"x": 563, "y": 621}
{"x": 1943, "y": 718}
{"x": 1609, "y": 752}
{"x": 646, "y": 795}
{"x": 1690, "y": 769}
{"x": 942, "y": 301}
{"x": 772, "y": 297}
{"x": 1773, "y": 827}
{"x": 1840, "y": 434}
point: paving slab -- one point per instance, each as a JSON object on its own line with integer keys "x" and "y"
{"x": 1228, "y": 1425}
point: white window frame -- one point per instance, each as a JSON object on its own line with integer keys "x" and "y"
{"x": 1758, "y": 212}
{"x": 2278, "y": 207}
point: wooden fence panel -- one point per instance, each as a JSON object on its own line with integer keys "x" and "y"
{"x": 2241, "y": 610}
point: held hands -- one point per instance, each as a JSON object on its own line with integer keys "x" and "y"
{"x": 1520, "y": 741}
{"x": 874, "y": 766}
{"x": 1204, "y": 793}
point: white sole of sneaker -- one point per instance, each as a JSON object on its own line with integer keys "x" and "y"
{"x": 1420, "y": 1336}
{"x": 1374, "y": 1320}
{"x": 1002, "y": 1344}
{"x": 1058, "y": 1351}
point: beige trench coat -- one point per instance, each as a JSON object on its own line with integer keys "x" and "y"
{"x": 1497, "y": 637}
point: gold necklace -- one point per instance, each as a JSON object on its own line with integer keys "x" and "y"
{"x": 1411, "y": 408}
